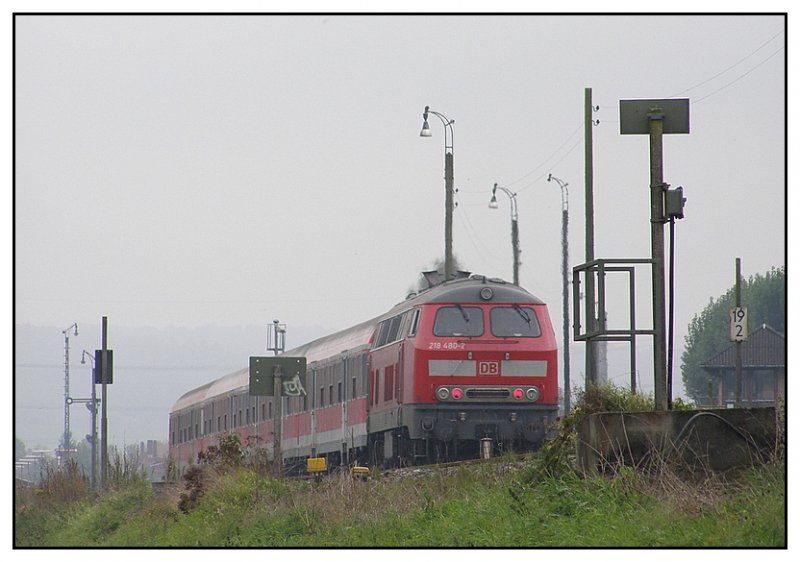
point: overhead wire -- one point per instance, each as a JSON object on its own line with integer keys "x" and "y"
{"x": 471, "y": 230}
{"x": 737, "y": 79}
{"x": 546, "y": 160}
{"x": 740, "y": 61}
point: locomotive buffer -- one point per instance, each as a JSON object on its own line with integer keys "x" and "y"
{"x": 267, "y": 376}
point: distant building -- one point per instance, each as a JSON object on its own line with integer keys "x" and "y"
{"x": 763, "y": 371}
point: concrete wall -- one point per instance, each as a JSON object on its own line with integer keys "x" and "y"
{"x": 697, "y": 440}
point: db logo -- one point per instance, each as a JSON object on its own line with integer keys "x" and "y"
{"x": 489, "y": 368}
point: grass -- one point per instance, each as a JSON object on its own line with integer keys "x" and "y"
{"x": 538, "y": 500}
{"x": 470, "y": 507}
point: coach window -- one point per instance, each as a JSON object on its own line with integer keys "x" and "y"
{"x": 455, "y": 321}
{"x": 515, "y": 322}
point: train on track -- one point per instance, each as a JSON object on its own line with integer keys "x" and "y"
{"x": 462, "y": 364}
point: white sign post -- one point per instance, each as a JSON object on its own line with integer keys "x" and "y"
{"x": 738, "y": 324}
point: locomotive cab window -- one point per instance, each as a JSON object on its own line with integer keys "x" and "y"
{"x": 455, "y": 321}
{"x": 412, "y": 331}
{"x": 388, "y": 331}
{"x": 515, "y": 322}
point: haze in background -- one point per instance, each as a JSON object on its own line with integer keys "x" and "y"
{"x": 195, "y": 177}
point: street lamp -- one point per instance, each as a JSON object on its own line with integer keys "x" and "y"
{"x": 565, "y": 284}
{"x": 448, "y": 185}
{"x": 514, "y": 225}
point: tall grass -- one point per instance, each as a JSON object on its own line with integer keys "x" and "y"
{"x": 535, "y": 500}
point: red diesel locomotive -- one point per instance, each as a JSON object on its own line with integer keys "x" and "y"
{"x": 458, "y": 364}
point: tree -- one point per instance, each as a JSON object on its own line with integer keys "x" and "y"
{"x": 19, "y": 449}
{"x": 765, "y": 299}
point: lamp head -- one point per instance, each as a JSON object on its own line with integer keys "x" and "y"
{"x": 493, "y": 203}
{"x": 549, "y": 176}
{"x": 426, "y": 129}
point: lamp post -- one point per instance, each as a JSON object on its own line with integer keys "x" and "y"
{"x": 514, "y": 225}
{"x": 448, "y": 185}
{"x": 565, "y": 284}
{"x": 93, "y": 410}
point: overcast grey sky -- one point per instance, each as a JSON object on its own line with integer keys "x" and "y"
{"x": 191, "y": 171}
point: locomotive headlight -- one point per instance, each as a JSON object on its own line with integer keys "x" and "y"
{"x": 456, "y": 393}
{"x": 486, "y": 293}
{"x": 518, "y": 393}
{"x": 532, "y": 394}
{"x": 442, "y": 393}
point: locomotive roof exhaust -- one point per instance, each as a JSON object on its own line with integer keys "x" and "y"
{"x": 434, "y": 278}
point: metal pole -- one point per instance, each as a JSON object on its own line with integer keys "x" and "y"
{"x": 94, "y": 432}
{"x": 591, "y": 367}
{"x": 738, "y": 359}
{"x": 104, "y": 415}
{"x": 277, "y": 375}
{"x": 515, "y": 248}
{"x": 65, "y": 440}
{"x": 448, "y": 186}
{"x": 565, "y": 286}
{"x": 656, "y": 120}
{"x": 565, "y": 306}
{"x": 448, "y": 216}
{"x": 514, "y": 225}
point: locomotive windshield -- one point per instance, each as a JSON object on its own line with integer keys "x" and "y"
{"x": 458, "y": 321}
{"x": 515, "y": 321}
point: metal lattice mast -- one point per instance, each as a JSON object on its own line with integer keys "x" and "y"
{"x": 65, "y": 439}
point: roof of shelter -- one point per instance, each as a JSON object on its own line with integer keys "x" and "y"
{"x": 764, "y": 347}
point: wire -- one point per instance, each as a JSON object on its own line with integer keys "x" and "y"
{"x": 569, "y": 138}
{"x": 738, "y": 78}
{"x": 733, "y": 65}
{"x": 567, "y": 153}
{"x": 472, "y": 235}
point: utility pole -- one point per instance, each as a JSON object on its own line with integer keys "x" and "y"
{"x": 591, "y": 363}
{"x": 103, "y": 367}
{"x": 738, "y": 364}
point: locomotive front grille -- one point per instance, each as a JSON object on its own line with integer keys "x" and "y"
{"x": 476, "y": 394}
{"x": 488, "y": 393}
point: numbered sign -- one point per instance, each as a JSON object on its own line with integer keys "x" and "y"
{"x": 738, "y": 324}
